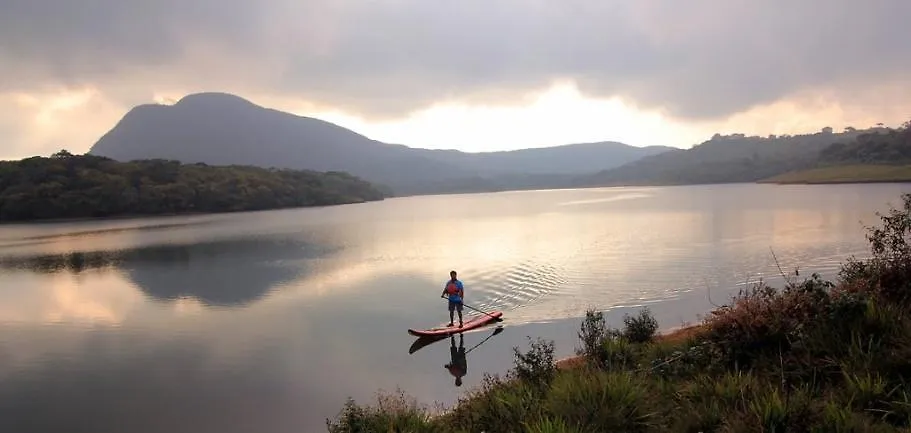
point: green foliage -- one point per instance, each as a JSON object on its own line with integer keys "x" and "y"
{"x": 799, "y": 158}
{"x": 536, "y": 366}
{"x": 616, "y": 353}
{"x": 814, "y": 356}
{"x": 601, "y": 401}
{"x": 612, "y": 348}
{"x": 724, "y": 159}
{"x": 888, "y": 272}
{"x": 86, "y": 186}
{"x": 889, "y": 146}
{"x": 499, "y": 405}
{"x": 877, "y": 155}
{"x": 393, "y": 413}
{"x": 550, "y": 425}
{"x": 641, "y": 328}
{"x": 592, "y": 333}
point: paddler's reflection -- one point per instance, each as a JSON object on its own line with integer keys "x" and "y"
{"x": 458, "y": 365}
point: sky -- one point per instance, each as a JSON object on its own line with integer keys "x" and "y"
{"x": 475, "y": 75}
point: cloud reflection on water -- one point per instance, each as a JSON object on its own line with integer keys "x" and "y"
{"x": 296, "y": 310}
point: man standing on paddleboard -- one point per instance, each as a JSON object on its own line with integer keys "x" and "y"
{"x": 456, "y": 292}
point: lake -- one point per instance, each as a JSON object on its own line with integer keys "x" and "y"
{"x": 268, "y": 321}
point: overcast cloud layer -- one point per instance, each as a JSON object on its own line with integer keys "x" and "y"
{"x": 697, "y": 59}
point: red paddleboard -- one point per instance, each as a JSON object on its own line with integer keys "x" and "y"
{"x": 474, "y": 323}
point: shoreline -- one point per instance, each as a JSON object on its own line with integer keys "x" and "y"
{"x": 128, "y": 217}
{"x": 131, "y": 217}
{"x": 832, "y": 182}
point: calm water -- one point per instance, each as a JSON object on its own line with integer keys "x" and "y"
{"x": 267, "y": 321}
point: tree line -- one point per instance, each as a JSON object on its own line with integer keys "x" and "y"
{"x": 65, "y": 186}
{"x": 740, "y": 158}
{"x": 890, "y": 146}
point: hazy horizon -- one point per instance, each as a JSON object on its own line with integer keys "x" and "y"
{"x": 79, "y": 149}
{"x": 647, "y": 73}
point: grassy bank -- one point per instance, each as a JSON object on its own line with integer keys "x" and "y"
{"x": 813, "y": 356}
{"x": 846, "y": 174}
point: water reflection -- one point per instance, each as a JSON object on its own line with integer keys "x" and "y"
{"x": 160, "y": 388}
{"x": 458, "y": 356}
{"x": 223, "y": 272}
{"x": 335, "y": 289}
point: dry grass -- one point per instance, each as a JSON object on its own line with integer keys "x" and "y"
{"x": 845, "y": 174}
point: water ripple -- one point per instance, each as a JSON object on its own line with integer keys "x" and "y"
{"x": 518, "y": 285}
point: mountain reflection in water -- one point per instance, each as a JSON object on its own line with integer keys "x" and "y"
{"x": 224, "y": 272}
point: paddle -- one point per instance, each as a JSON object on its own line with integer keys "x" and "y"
{"x": 497, "y": 319}
{"x": 495, "y": 332}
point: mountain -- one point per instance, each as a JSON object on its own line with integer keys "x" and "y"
{"x": 223, "y": 129}
{"x": 724, "y": 159}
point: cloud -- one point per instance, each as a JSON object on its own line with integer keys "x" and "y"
{"x": 41, "y": 123}
{"x": 697, "y": 60}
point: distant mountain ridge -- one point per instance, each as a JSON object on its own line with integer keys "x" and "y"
{"x": 725, "y": 159}
{"x": 224, "y": 129}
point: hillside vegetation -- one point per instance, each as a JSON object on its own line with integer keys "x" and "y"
{"x": 877, "y": 156}
{"x": 724, "y": 159}
{"x": 813, "y": 356}
{"x": 883, "y": 146}
{"x": 85, "y": 186}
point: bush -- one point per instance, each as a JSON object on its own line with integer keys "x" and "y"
{"x": 888, "y": 272}
{"x": 392, "y": 410}
{"x": 537, "y": 365}
{"x": 550, "y": 425}
{"x": 601, "y": 401}
{"x": 641, "y": 328}
{"x": 593, "y": 331}
{"x": 497, "y": 406}
{"x": 611, "y": 348}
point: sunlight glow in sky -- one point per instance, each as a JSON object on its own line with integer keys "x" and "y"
{"x": 560, "y": 115}
{"x": 474, "y": 75}
{"x": 556, "y": 116}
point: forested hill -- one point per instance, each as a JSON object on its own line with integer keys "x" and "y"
{"x": 890, "y": 146}
{"x": 726, "y": 159}
{"x": 67, "y": 186}
{"x": 878, "y": 156}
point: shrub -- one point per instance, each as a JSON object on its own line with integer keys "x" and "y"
{"x": 763, "y": 320}
{"x": 601, "y": 401}
{"x": 498, "y": 406}
{"x": 616, "y": 354}
{"x": 641, "y": 328}
{"x": 888, "y": 272}
{"x": 592, "y": 332}
{"x": 537, "y": 365}
{"x": 550, "y": 425}
{"x": 394, "y": 412}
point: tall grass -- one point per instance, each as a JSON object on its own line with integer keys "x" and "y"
{"x": 814, "y": 355}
